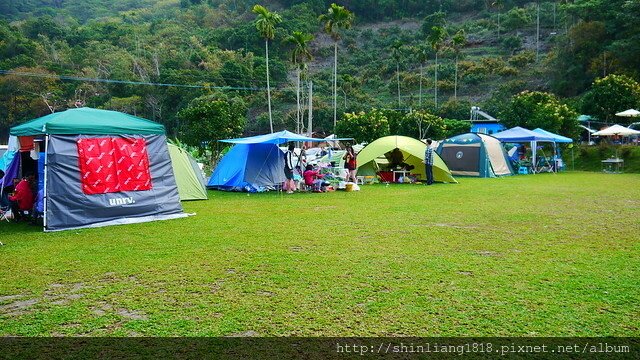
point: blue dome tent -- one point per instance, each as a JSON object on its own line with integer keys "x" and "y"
{"x": 255, "y": 163}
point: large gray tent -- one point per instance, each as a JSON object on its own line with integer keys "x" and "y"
{"x": 474, "y": 154}
{"x": 103, "y": 168}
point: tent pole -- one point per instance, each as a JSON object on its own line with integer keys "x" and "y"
{"x": 44, "y": 192}
{"x": 534, "y": 144}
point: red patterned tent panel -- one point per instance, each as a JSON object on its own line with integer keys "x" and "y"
{"x": 113, "y": 164}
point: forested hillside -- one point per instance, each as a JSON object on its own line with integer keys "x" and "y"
{"x": 154, "y": 58}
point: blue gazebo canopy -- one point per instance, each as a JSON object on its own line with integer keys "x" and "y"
{"x": 556, "y": 138}
{"x": 519, "y": 134}
{"x": 276, "y": 138}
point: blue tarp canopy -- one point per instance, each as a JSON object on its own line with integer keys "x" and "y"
{"x": 276, "y": 138}
{"x": 556, "y": 138}
{"x": 518, "y": 134}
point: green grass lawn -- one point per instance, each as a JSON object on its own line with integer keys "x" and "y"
{"x": 535, "y": 255}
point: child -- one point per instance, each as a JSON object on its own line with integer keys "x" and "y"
{"x": 314, "y": 179}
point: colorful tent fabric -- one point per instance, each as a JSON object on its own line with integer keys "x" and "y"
{"x": 556, "y": 138}
{"x": 88, "y": 121}
{"x": 475, "y": 154}
{"x": 191, "y": 183}
{"x": 249, "y": 167}
{"x": 413, "y": 151}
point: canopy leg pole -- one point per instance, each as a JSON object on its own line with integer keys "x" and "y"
{"x": 45, "y": 196}
{"x": 533, "y": 156}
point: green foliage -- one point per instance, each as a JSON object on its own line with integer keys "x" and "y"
{"x": 609, "y": 95}
{"x": 512, "y": 43}
{"x": 266, "y": 21}
{"x": 589, "y": 158}
{"x": 336, "y": 18}
{"x": 516, "y": 18}
{"x": 455, "y": 109}
{"x": 522, "y": 59}
{"x": 438, "y": 19}
{"x": 364, "y": 126}
{"x": 210, "y": 118}
{"x": 541, "y": 110}
{"x": 455, "y": 127}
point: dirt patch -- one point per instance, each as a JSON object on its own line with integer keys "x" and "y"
{"x": 131, "y": 314}
{"x": 249, "y": 333}
{"x": 466, "y": 273}
{"x": 265, "y": 293}
{"x": 17, "y": 307}
{"x": 488, "y": 253}
{"x": 7, "y": 298}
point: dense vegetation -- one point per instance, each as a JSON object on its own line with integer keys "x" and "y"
{"x": 153, "y": 58}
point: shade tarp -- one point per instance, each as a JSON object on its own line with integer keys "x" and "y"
{"x": 88, "y": 121}
{"x": 191, "y": 184}
{"x": 519, "y": 134}
{"x": 275, "y": 138}
{"x": 556, "y": 138}
{"x": 413, "y": 151}
{"x": 616, "y": 130}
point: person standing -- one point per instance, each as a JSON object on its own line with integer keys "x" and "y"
{"x": 428, "y": 162}
{"x": 350, "y": 163}
{"x": 289, "y": 183}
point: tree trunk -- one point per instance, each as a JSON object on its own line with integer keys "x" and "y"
{"x": 436, "y": 83}
{"x": 335, "y": 85}
{"x": 310, "y": 125}
{"x": 455, "y": 82}
{"x": 398, "y": 79}
{"x": 266, "y": 46}
{"x": 298, "y": 119}
{"x": 420, "y": 96}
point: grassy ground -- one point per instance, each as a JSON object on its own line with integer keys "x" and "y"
{"x": 527, "y": 255}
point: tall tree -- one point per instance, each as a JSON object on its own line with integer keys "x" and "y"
{"x": 422, "y": 53}
{"x": 337, "y": 17}
{"x": 396, "y": 53}
{"x": 457, "y": 42}
{"x": 436, "y": 39}
{"x": 299, "y": 54}
{"x": 266, "y": 22}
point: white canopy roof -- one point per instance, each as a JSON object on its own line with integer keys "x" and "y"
{"x": 616, "y": 130}
{"x": 629, "y": 113}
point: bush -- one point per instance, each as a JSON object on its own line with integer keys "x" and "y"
{"x": 523, "y": 59}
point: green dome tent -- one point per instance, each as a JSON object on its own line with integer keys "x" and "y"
{"x": 191, "y": 183}
{"x": 372, "y": 158}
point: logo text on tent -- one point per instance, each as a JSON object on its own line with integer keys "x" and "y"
{"x": 121, "y": 201}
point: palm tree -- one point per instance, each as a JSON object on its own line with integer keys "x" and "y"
{"x": 337, "y": 17}
{"x": 436, "y": 39}
{"x": 457, "y": 42}
{"x": 422, "y": 53}
{"x": 498, "y": 5}
{"x": 396, "y": 53}
{"x": 266, "y": 22}
{"x": 300, "y": 52}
